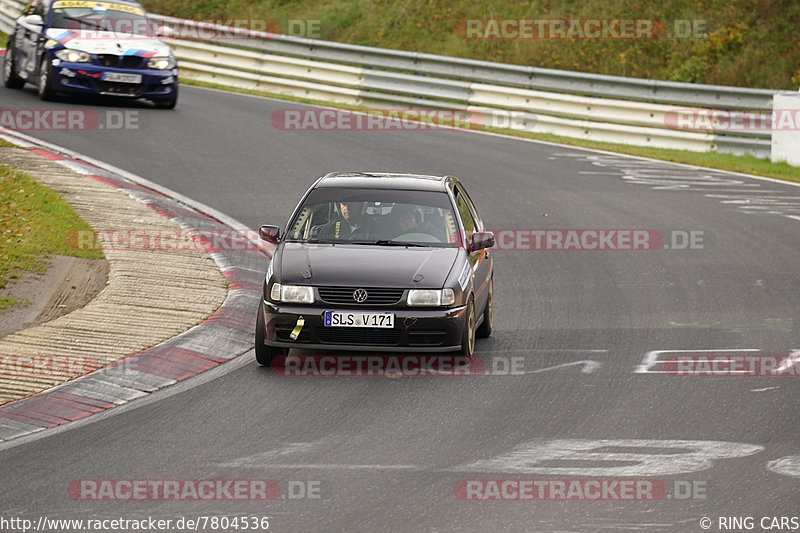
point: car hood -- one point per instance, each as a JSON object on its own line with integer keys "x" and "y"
{"x": 364, "y": 265}
{"x": 106, "y": 42}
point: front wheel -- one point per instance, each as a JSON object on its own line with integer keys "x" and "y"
{"x": 264, "y": 354}
{"x": 45, "y": 87}
{"x": 10, "y": 78}
{"x": 485, "y": 329}
{"x": 468, "y": 337}
{"x": 168, "y": 104}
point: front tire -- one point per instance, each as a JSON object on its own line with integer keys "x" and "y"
{"x": 485, "y": 329}
{"x": 10, "y": 78}
{"x": 264, "y": 354}
{"x": 468, "y": 337}
{"x": 45, "y": 85}
{"x": 168, "y": 104}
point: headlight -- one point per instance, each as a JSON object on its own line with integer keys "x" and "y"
{"x": 431, "y": 297}
{"x": 161, "y": 63}
{"x": 296, "y": 294}
{"x": 73, "y": 56}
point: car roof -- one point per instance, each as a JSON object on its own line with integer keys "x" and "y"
{"x": 124, "y": 2}
{"x": 385, "y": 180}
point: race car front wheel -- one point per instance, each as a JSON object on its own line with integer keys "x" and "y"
{"x": 10, "y": 78}
{"x": 45, "y": 87}
{"x": 168, "y": 104}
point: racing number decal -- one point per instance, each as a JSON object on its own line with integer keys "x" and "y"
{"x": 614, "y": 458}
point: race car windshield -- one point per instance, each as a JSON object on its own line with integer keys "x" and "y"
{"x": 110, "y": 20}
{"x": 377, "y": 216}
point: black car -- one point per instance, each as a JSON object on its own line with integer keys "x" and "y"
{"x": 378, "y": 261}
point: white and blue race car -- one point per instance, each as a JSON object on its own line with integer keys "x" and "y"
{"x": 90, "y": 48}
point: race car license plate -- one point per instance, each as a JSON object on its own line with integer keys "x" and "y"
{"x": 122, "y": 77}
{"x": 359, "y": 320}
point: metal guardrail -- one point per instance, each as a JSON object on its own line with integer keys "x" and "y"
{"x": 9, "y": 11}
{"x": 572, "y": 104}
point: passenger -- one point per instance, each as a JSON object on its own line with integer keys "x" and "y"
{"x": 404, "y": 219}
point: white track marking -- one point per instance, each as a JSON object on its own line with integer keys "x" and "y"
{"x": 653, "y": 358}
{"x": 786, "y": 466}
{"x": 541, "y": 455}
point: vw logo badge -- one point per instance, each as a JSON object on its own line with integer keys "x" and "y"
{"x": 360, "y": 295}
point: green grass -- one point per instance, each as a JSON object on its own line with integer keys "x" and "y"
{"x": 6, "y": 302}
{"x": 34, "y": 225}
{"x": 5, "y": 144}
{"x": 746, "y": 164}
{"x": 748, "y": 43}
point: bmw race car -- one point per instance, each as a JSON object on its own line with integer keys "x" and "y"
{"x": 90, "y": 48}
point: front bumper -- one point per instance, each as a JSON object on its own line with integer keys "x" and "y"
{"x": 415, "y": 330}
{"x": 87, "y": 78}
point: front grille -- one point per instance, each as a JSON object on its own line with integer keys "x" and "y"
{"x": 375, "y": 296}
{"x": 359, "y": 336}
{"x": 111, "y": 60}
{"x": 123, "y": 89}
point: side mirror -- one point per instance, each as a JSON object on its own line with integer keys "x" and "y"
{"x": 481, "y": 240}
{"x": 270, "y": 234}
{"x": 165, "y": 32}
{"x": 33, "y": 20}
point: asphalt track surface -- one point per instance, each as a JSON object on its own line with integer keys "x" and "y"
{"x": 388, "y": 452}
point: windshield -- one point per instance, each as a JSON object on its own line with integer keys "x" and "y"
{"x": 378, "y": 216}
{"x": 101, "y": 16}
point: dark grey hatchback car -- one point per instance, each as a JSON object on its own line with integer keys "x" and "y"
{"x": 378, "y": 261}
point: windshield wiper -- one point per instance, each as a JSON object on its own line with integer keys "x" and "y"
{"x": 315, "y": 240}
{"x": 385, "y": 242}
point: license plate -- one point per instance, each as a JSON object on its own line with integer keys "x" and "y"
{"x": 122, "y": 78}
{"x": 359, "y": 320}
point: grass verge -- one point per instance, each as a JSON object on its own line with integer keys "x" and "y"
{"x": 34, "y": 224}
{"x": 745, "y": 164}
{"x": 744, "y": 43}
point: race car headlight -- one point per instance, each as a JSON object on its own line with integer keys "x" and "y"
{"x": 295, "y": 294}
{"x": 431, "y": 297}
{"x": 73, "y": 56}
{"x": 161, "y": 63}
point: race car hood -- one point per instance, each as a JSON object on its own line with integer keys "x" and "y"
{"x": 106, "y": 42}
{"x": 351, "y": 265}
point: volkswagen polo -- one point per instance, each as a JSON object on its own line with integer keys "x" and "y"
{"x": 378, "y": 261}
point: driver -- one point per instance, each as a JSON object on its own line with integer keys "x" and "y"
{"x": 351, "y": 223}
